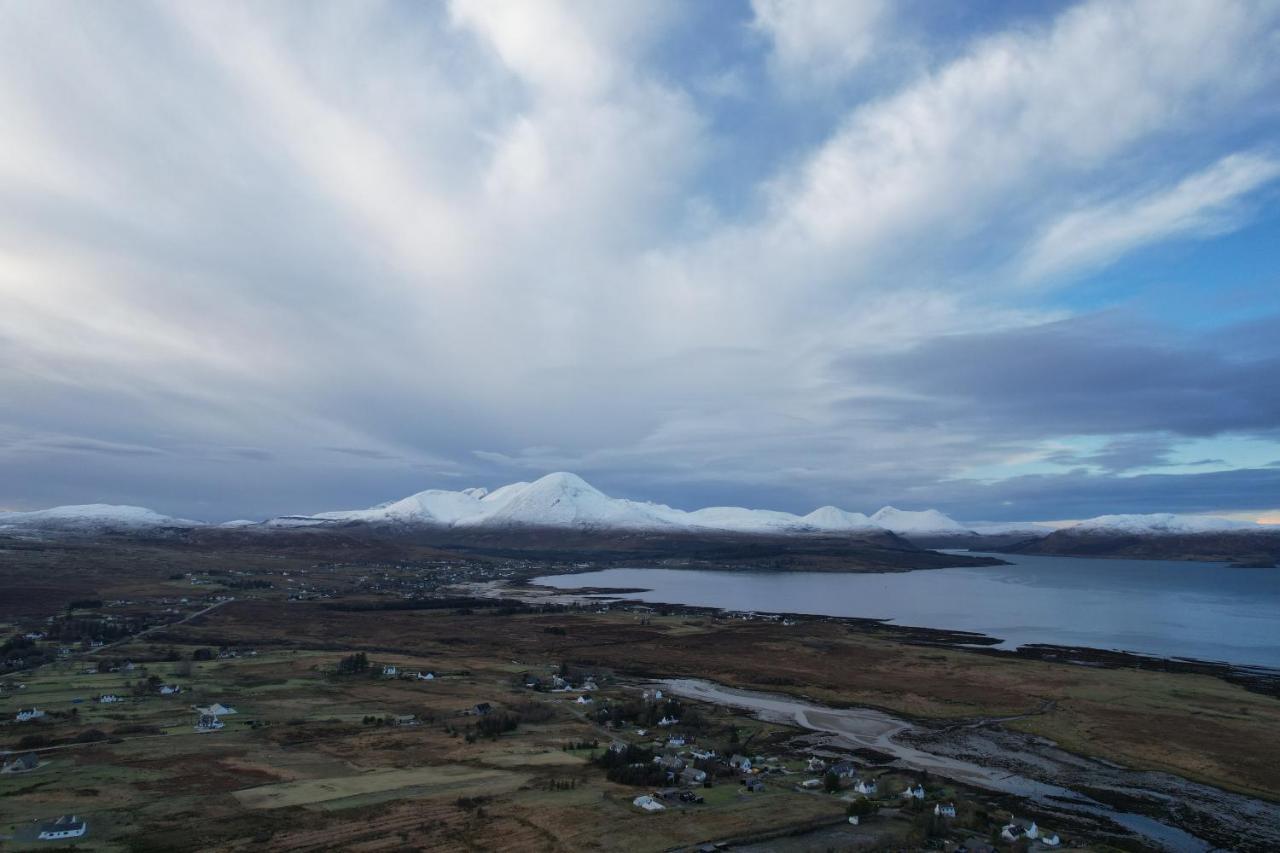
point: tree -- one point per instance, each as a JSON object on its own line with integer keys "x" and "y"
{"x": 831, "y": 782}
{"x": 862, "y": 807}
{"x": 351, "y": 664}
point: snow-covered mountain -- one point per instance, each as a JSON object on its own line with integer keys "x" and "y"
{"x": 907, "y": 522}
{"x": 833, "y": 518}
{"x": 566, "y": 501}
{"x": 92, "y": 517}
{"x": 1162, "y": 523}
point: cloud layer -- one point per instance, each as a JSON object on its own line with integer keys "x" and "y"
{"x": 257, "y": 259}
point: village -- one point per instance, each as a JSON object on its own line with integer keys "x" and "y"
{"x": 269, "y": 703}
{"x": 517, "y": 732}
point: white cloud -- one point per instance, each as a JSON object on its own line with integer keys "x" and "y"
{"x": 818, "y": 43}
{"x": 1204, "y": 203}
{"x": 419, "y": 232}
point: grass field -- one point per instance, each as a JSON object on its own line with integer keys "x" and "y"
{"x": 437, "y": 780}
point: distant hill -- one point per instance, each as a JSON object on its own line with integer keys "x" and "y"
{"x": 1162, "y": 536}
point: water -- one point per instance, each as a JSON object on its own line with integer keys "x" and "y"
{"x": 1205, "y": 611}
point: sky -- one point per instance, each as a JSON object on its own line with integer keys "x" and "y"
{"x": 1014, "y": 261}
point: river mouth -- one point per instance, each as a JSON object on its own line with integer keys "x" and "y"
{"x": 1163, "y": 810}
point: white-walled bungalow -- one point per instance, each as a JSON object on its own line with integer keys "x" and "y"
{"x": 915, "y": 792}
{"x": 67, "y": 826}
{"x": 947, "y": 810}
{"x": 867, "y": 788}
{"x": 28, "y": 714}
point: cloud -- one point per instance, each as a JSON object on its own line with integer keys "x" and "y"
{"x": 1201, "y": 204}
{"x": 1100, "y": 374}
{"x": 819, "y": 42}
{"x": 318, "y": 257}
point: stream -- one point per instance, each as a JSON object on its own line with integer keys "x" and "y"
{"x": 1029, "y": 767}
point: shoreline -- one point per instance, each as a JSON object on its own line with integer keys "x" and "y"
{"x": 1254, "y": 677}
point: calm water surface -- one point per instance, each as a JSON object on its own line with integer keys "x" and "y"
{"x": 1206, "y": 611}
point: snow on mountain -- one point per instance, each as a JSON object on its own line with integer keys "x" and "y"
{"x": 833, "y": 518}
{"x": 432, "y": 507}
{"x": 1161, "y": 523}
{"x": 740, "y": 520}
{"x": 923, "y": 521}
{"x": 93, "y": 517}
{"x": 564, "y": 500}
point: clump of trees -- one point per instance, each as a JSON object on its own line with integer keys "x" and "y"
{"x": 862, "y": 807}
{"x": 354, "y": 664}
{"x": 631, "y": 766}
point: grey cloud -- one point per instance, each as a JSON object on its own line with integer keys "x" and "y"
{"x": 1123, "y": 454}
{"x": 1099, "y": 374}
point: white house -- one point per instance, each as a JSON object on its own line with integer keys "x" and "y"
{"x": 740, "y": 762}
{"x": 669, "y": 721}
{"x": 647, "y": 803}
{"x": 67, "y": 826}
{"x": 945, "y": 810}
{"x": 217, "y": 709}
{"x": 426, "y": 676}
{"x": 26, "y": 714}
{"x": 389, "y": 671}
{"x": 109, "y": 698}
{"x": 169, "y": 689}
{"x": 584, "y": 699}
{"x": 676, "y": 741}
{"x": 866, "y": 789}
{"x": 1050, "y": 840}
{"x": 914, "y": 792}
{"x": 816, "y": 764}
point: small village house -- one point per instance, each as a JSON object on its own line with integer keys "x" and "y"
{"x": 67, "y": 826}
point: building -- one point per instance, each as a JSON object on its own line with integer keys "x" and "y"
{"x": 67, "y": 826}
{"x": 21, "y": 763}
{"x": 647, "y": 803}
{"x": 947, "y": 810}
{"x": 170, "y": 689}
{"x": 914, "y": 792}
{"x": 866, "y": 788}
{"x": 27, "y": 714}
{"x": 109, "y": 699}
{"x": 389, "y": 671}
